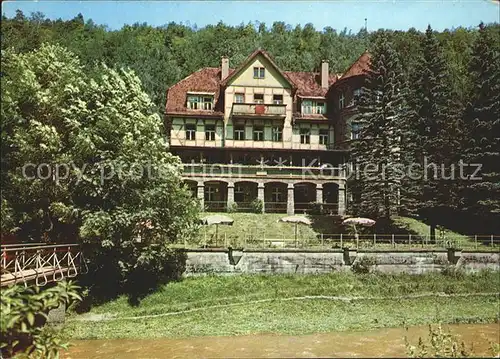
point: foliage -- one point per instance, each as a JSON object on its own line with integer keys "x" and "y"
{"x": 233, "y": 207}
{"x": 363, "y": 265}
{"x": 317, "y": 209}
{"x": 120, "y": 188}
{"x": 434, "y": 136}
{"x": 482, "y": 124}
{"x": 24, "y": 312}
{"x": 375, "y": 157}
{"x": 440, "y": 344}
{"x": 256, "y": 206}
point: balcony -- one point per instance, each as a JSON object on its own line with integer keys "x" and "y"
{"x": 259, "y": 110}
{"x": 236, "y": 171}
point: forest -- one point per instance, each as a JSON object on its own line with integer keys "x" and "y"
{"x": 448, "y": 80}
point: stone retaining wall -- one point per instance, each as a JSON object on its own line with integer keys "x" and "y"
{"x": 224, "y": 262}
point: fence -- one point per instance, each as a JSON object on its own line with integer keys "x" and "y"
{"x": 337, "y": 241}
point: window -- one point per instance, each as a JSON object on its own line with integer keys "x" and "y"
{"x": 239, "y": 132}
{"x": 323, "y": 136}
{"x": 239, "y": 98}
{"x": 277, "y": 195}
{"x": 259, "y": 72}
{"x": 307, "y": 107}
{"x": 355, "y": 130}
{"x": 190, "y": 131}
{"x": 200, "y": 102}
{"x": 258, "y": 98}
{"x": 210, "y": 132}
{"x": 341, "y": 101}
{"x": 210, "y": 193}
{"x": 277, "y": 134}
{"x": 258, "y": 133}
{"x": 278, "y": 99}
{"x": 313, "y": 107}
{"x": 305, "y": 135}
{"x": 320, "y": 108}
{"x": 356, "y": 94}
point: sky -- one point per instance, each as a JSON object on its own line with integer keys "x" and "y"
{"x": 339, "y": 14}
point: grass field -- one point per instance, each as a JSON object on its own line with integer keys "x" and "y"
{"x": 262, "y": 230}
{"x": 298, "y": 304}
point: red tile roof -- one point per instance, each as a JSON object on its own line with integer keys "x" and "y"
{"x": 307, "y": 84}
{"x": 206, "y": 79}
{"x": 359, "y": 67}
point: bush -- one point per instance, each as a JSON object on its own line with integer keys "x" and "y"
{"x": 256, "y": 206}
{"x": 233, "y": 207}
{"x": 24, "y": 313}
{"x": 317, "y": 209}
{"x": 362, "y": 265}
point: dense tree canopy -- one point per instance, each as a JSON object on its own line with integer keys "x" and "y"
{"x": 84, "y": 156}
{"x": 163, "y": 55}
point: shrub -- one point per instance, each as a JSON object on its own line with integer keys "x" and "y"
{"x": 233, "y": 207}
{"x": 24, "y": 313}
{"x": 440, "y": 344}
{"x": 362, "y": 265}
{"x": 317, "y": 209}
{"x": 256, "y": 206}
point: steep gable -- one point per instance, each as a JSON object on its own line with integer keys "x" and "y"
{"x": 244, "y": 74}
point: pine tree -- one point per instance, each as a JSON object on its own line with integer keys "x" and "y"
{"x": 434, "y": 133}
{"x": 482, "y": 125}
{"x": 376, "y": 155}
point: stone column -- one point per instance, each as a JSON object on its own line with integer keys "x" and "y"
{"x": 319, "y": 193}
{"x": 260, "y": 195}
{"x": 230, "y": 195}
{"x": 341, "y": 199}
{"x": 201, "y": 194}
{"x": 290, "y": 204}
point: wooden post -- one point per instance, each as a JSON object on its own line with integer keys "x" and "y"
{"x": 393, "y": 243}
{"x": 409, "y": 240}
{"x": 492, "y": 240}
{"x": 341, "y": 245}
{"x": 225, "y": 239}
{"x": 423, "y": 242}
{"x": 374, "y": 239}
{"x": 475, "y": 241}
{"x": 322, "y": 240}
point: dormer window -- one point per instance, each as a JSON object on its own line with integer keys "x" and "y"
{"x": 313, "y": 107}
{"x": 200, "y": 102}
{"x": 259, "y": 72}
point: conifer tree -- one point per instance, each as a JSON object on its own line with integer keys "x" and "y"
{"x": 376, "y": 182}
{"x": 482, "y": 125}
{"x": 433, "y": 133}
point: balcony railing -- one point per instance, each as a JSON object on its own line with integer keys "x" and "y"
{"x": 254, "y": 109}
{"x": 235, "y": 170}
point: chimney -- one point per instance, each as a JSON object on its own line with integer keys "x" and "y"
{"x": 324, "y": 74}
{"x": 225, "y": 67}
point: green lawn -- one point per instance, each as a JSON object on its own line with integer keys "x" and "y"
{"x": 290, "y": 304}
{"x": 264, "y": 230}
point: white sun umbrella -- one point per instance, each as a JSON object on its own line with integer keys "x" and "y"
{"x": 217, "y": 219}
{"x": 296, "y": 220}
{"x": 367, "y": 222}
